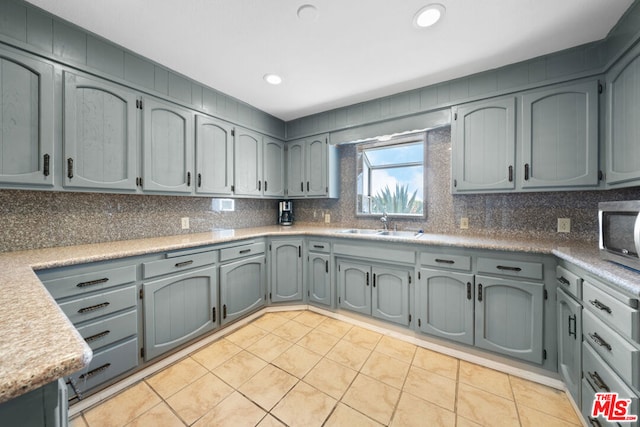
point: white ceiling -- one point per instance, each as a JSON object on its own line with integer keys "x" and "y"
{"x": 355, "y": 50}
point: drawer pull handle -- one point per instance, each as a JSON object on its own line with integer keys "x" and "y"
{"x": 184, "y": 263}
{"x": 598, "y": 381}
{"x": 598, "y": 340}
{"x": 374, "y": 280}
{"x": 575, "y": 326}
{"x": 507, "y": 268}
{"x": 469, "y": 291}
{"x": 318, "y": 246}
{"x": 224, "y": 311}
{"x": 95, "y": 371}
{"x": 510, "y": 173}
{"x": 245, "y": 251}
{"x": 479, "y": 292}
{"x": 97, "y": 336}
{"x": 92, "y": 282}
{"x": 597, "y": 304}
{"x": 93, "y": 308}
{"x": 367, "y": 278}
{"x": 445, "y": 261}
{"x": 69, "y": 168}
{"x": 45, "y": 164}
{"x": 563, "y": 281}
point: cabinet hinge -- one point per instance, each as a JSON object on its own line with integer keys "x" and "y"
{"x": 600, "y": 176}
{"x": 270, "y": 296}
{"x": 419, "y": 323}
{"x": 600, "y": 87}
{"x": 339, "y": 300}
{"x": 546, "y": 294}
{"x": 141, "y": 293}
{"x": 409, "y": 279}
{"x": 326, "y": 190}
{"x": 142, "y": 352}
{"x": 544, "y": 354}
{"x": 455, "y": 183}
{"x": 213, "y": 315}
{"x": 455, "y": 116}
{"x": 233, "y": 188}
{"x": 409, "y": 318}
{"x": 419, "y": 276}
{"x": 233, "y": 132}
{"x": 269, "y": 246}
{"x": 308, "y": 293}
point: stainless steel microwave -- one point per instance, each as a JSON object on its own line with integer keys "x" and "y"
{"x": 620, "y": 232}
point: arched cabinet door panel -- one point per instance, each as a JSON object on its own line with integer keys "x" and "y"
{"x": 214, "y": 156}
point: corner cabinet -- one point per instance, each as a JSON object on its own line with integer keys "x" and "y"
{"x": 43, "y": 407}
{"x": 214, "y": 156}
{"x": 557, "y": 130}
{"x": 313, "y": 170}
{"x": 623, "y": 122}
{"x": 167, "y": 147}
{"x": 286, "y": 271}
{"x": 26, "y": 122}
{"x": 100, "y": 134}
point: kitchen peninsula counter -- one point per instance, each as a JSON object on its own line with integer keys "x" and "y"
{"x": 40, "y": 344}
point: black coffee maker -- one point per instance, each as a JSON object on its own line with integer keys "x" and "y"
{"x": 285, "y": 212}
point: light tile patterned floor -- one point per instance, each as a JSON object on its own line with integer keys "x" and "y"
{"x": 300, "y": 368}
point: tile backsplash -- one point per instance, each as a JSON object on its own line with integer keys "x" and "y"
{"x": 37, "y": 219}
{"x": 517, "y": 214}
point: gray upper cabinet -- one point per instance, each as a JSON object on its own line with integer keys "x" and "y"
{"x": 312, "y": 167}
{"x": 26, "y": 119}
{"x": 167, "y": 148}
{"x": 623, "y": 122}
{"x": 248, "y": 163}
{"x": 100, "y": 138}
{"x": 214, "y": 156}
{"x": 560, "y": 137}
{"x": 483, "y": 146}
{"x": 273, "y": 167}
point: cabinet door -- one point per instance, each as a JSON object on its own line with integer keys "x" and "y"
{"x": 319, "y": 279}
{"x": 242, "y": 287}
{"x": 316, "y": 167}
{"x": 623, "y": 122}
{"x": 390, "y": 294}
{"x": 509, "y": 317}
{"x": 444, "y": 304}
{"x": 248, "y": 163}
{"x": 560, "y": 137}
{"x": 353, "y": 287}
{"x": 100, "y": 145}
{"x": 26, "y": 121}
{"x": 178, "y": 308}
{"x": 214, "y": 156}
{"x": 569, "y": 318}
{"x": 286, "y": 271}
{"x": 273, "y": 168}
{"x": 167, "y": 148}
{"x": 483, "y": 146}
{"x": 295, "y": 169}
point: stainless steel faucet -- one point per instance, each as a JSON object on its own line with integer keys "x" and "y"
{"x": 385, "y": 221}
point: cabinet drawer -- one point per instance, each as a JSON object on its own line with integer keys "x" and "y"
{"x": 613, "y": 311}
{"x": 530, "y": 270}
{"x": 83, "y": 309}
{"x": 107, "y": 364}
{"x": 181, "y": 263}
{"x": 614, "y": 349}
{"x": 241, "y": 251}
{"x": 107, "y": 331}
{"x": 600, "y": 378}
{"x": 568, "y": 281}
{"x": 453, "y": 262}
{"x": 317, "y": 246}
{"x": 88, "y": 282}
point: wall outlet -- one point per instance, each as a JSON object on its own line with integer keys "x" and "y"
{"x": 327, "y": 218}
{"x": 185, "y": 223}
{"x": 464, "y": 223}
{"x": 564, "y": 225}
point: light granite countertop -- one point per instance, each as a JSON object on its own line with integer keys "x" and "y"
{"x": 40, "y": 344}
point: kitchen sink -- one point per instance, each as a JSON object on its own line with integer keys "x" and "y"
{"x": 383, "y": 233}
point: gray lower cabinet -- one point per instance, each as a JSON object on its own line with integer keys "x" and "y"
{"x": 100, "y": 134}
{"x": 569, "y": 318}
{"x": 242, "y": 282}
{"x": 509, "y": 317}
{"x": 167, "y": 147}
{"x": 444, "y": 304}
{"x": 623, "y": 122}
{"x": 375, "y": 290}
{"x": 248, "y": 166}
{"x": 286, "y": 271}
{"x": 319, "y": 267}
{"x": 26, "y": 121}
{"x": 43, "y": 407}
{"x": 179, "y": 308}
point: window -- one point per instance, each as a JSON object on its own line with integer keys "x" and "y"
{"x": 391, "y": 176}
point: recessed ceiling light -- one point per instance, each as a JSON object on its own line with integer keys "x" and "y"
{"x": 308, "y": 12}
{"x": 272, "y": 79}
{"x": 428, "y": 15}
